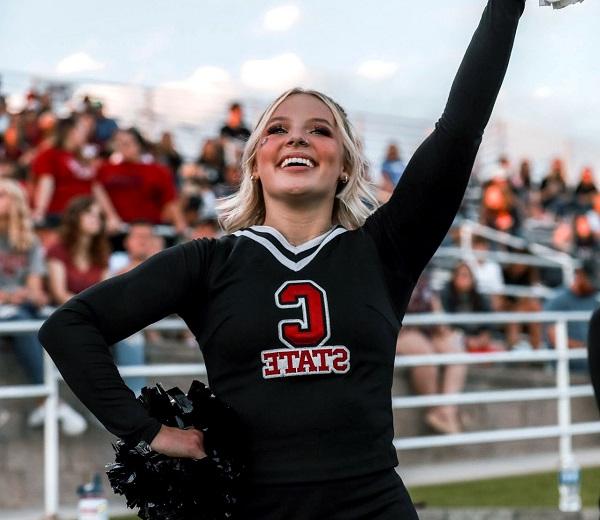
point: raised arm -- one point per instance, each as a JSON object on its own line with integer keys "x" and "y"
{"x": 411, "y": 225}
{"x": 78, "y": 334}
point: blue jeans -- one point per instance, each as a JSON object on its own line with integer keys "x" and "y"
{"x": 27, "y": 347}
{"x": 131, "y": 351}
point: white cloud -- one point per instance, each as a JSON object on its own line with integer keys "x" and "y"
{"x": 277, "y": 73}
{"x": 543, "y": 92}
{"x": 377, "y": 69}
{"x": 281, "y": 18}
{"x": 195, "y": 98}
{"x": 152, "y": 45}
{"x": 203, "y": 79}
{"x": 78, "y": 62}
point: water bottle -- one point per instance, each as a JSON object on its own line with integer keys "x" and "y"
{"x": 569, "y": 482}
{"x": 92, "y": 503}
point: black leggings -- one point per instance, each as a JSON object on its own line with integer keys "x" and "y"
{"x": 378, "y": 496}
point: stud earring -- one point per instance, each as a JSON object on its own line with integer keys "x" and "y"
{"x": 253, "y": 178}
{"x": 344, "y": 179}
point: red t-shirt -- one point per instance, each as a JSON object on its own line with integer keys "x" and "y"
{"x": 138, "y": 191}
{"x": 77, "y": 280}
{"x": 71, "y": 177}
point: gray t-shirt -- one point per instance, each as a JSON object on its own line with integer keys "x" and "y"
{"x": 15, "y": 266}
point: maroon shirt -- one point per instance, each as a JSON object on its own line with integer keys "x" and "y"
{"x": 77, "y": 280}
{"x": 71, "y": 176}
{"x": 138, "y": 191}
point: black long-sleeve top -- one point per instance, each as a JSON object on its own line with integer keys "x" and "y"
{"x": 299, "y": 340}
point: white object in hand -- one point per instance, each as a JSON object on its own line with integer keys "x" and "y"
{"x": 559, "y": 4}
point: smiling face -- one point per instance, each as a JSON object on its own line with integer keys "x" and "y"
{"x": 300, "y": 153}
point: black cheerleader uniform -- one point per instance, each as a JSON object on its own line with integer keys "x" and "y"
{"x": 299, "y": 340}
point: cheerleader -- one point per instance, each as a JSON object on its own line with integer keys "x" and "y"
{"x": 297, "y": 308}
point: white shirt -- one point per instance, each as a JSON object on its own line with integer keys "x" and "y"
{"x": 488, "y": 276}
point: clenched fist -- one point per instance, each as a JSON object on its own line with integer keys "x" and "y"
{"x": 175, "y": 442}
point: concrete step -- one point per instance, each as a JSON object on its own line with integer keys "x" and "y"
{"x": 409, "y": 422}
{"x": 491, "y": 467}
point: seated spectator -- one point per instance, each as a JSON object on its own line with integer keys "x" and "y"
{"x": 31, "y": 132}
{"x": 22, "y": 295}
{"x": 585, "y": 190}
{"x": 167, "y": 154}
{"x": 460, "y": 295}
{"x": 585, "y": 245}
{"x": 13, "y": 143}
{"x": 500, "y": 173}
{"x": 593, "y": 216}
{"x": 499, "y": 209}
{"x": 392, "y": 168}
{"x": 47, "y": 124}
{"x": 80, "y": 259}
{"x": 536, "y": 213}
{"x": 4, "y": 118}
{"x": 231, "y": 184}
{"x": 61, "y": 172}
{"x": 433, "y": 379}
{"x": 139, "y": 246}
{"x": 212, "y": 160}
{"x": 524, "y": 276}
{"x": 521, "y": 183}
{"x": 576, "y": 237}
{"x": 553, "y": 189}
{"x": 235, "y": 128}
{"x": 488, "y": 274}
{"x": 582, "y": 295}
{"x": 7, "y": 168}
{"x": 198, "y": 199}
{"x": 137, "y": 189}
{"x": 206, "y": 228}
{"x": 104, "y": 127}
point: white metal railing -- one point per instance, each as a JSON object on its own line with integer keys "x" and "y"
{"x": 468, "y": 228}
{"x": 502, "y": 257}
{"x": 562, "y": 392}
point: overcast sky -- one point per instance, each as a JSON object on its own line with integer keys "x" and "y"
{"x": 395, "y": 57}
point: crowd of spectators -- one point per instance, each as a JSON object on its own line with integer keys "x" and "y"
{"x": 510, "y": 202}
{"x": 82, "y": 198}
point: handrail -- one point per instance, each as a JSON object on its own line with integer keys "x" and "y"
{"x": 502, "y": 257}
{"x": 470, "y": 227}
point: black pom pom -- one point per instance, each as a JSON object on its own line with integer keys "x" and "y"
{"x": 168, "y": 488}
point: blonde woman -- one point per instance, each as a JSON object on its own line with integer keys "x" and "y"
{"x": 22, "y": 293}
{"x": 298, "y": 307}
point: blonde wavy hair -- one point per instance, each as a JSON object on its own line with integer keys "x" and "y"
{"x": 19, "y": 225}
{"x": 354, "y": 202}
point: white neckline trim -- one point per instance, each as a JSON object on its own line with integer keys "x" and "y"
{"x": 290, "y": 264}
{"x": 283, "y": 241}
